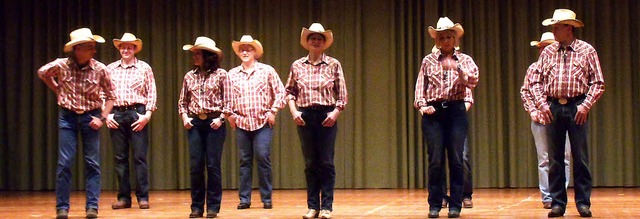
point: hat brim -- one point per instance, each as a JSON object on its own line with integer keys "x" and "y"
{"x": 68, "y": 47}
{"x": 137, "y": 42}
{"x": 457, "y": 28}
{"x": 304, "y": 35}
{"x": 255, "y": 44}
{"x": 192, "y": 48}
{"x": 572, "y": 22}
{"x": 540, "y": 43}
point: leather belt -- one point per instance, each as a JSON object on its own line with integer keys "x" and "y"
{"x": 318, "y": 108}
{"x": 566, "y": 100}
{"x": 204, "y": 116}
{"x": 444, "y": 104}
{"x": 130, "y": 107}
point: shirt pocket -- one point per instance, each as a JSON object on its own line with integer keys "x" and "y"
{"x": 66, "y": 82}
{"x": 578, "y": 67}
{"x": 137, "y": 83}
{"x": 91, "y": 85}
{"x": 327, "y": 80}
{"x": 549, "y": 72}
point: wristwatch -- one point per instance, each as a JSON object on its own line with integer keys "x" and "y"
{"x": 222, "y": 119}
{"x": 102, "y": 118}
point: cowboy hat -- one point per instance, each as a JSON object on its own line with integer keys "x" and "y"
{"x": 316, "y": 28}
{"x": 247, "y": 40}
{"x": 205, "y": 43}
{"x": 129, "y": 38}
{"x": 79, "y": 36}
{"x": 444, "y": 23}
{"x": 563, "y": 16}
{"x": 546, "y": 38}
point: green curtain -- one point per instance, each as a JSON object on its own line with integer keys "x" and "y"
{"x": 380, "y": 45}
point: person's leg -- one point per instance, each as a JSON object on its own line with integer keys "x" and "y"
{"x": 244, "y": 141}
{"x": 214, "y": 148}
{"x": 120, "y": 142}
{"x": 196, "y": 137}
{"x": 67, "y": 145}
{"x": 91, "y": 145}
{"x": 433, "y": 141}
{"x": 140, "y": 144}
{"x": 326, "y": 142}
{"x": 311, "y": 161}
{"x": 262, "y": 152}
{"x": 540, "y": 139}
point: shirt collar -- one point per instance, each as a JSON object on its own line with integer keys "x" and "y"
{"x": 135, "y": 63}
{"x": 454, "y": 56}
{"x": 323, "y": 59}
{"x": 71, "y": 62}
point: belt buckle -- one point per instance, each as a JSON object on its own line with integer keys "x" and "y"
{"x": 202, "y": 116}
{"x": 562, "y": 101}
{"x": 444, "y": 104}
{"x": 79, "y": 111}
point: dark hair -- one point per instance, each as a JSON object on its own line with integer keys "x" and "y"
{"x": 210, "y": 61}
{"x": 323, "y": 37}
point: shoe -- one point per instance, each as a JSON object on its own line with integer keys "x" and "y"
{"x": 92, "y": 213}
{"x": 434, "y": 214}
{"x": 445, "y": 203}
{"x": 211, "y": 213}
{"x": 325, "y": 214}
{"x": 453, "y": 213}
{"x": 244, "y": 205}
{"x": 195, "y": 213}
{"x": 312, "y": 213}
{"x": 556, "y": 211}
{"x": 120, "y": 204}
{"x": 267, "y": 205}
{"x": 144, "y": 204}
{"x": 62, "y": 213}
{"x": 467, "y": 203}
{"x": 584, "y": 211}
{"x": 546, "y": 205}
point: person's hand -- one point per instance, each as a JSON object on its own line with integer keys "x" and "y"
{"x": 95, "y": 123}
{"x": 141, "y": 122}
{"x": 186, "y": 122}
{"x": 545, "y": 115}
{"x": 331, "y": 119}
{"x": 271, "y": 119}
{"x": 111, "y": 123}
{"x": 581, "y": 115}
{"x": 216, "y": 123}
{"x": 297, "y": 118}
{"x": 428, "y": 110}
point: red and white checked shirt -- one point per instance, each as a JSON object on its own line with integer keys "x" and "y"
{"x": 525, "y": 94}
{"x": 321, "y": 84}
{"x": 203, "y": 93}
{"x": 565, "y": 73}
{"x": 435, "y": 84}
{"x": 135, "y": 84}
{"x": 79, "y": 89}
{"x": 254, "y": 95}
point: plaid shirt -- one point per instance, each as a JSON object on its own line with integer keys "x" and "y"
{"x": 435, "y": 84}
{"x": 79, "y": 89}
{"x": 565, "y": 73}
{"x": 203, "y": 93}
{"x": 321, "y": 84}
{"x": 134, "y": 84}
{"x": 253, "y": 95}
{"x": 525, "y": 94}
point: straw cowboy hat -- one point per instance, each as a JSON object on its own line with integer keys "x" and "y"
{"x": 79, "y": 36}
{"x": 546, "y": 38}
{"x": 444, "y": 23}
{"x": 205, "y": 43}
{"x": 129, "y": 38}
{"x": 248, "y": 40}
{"x": 563, "y": 16}
{"x": 316, "y": 28}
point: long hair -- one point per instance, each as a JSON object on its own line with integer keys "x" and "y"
{"x": 210, "y": 61}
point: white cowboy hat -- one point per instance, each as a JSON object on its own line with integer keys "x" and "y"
{"x": 247, "y": 40}
{"x": 546, "y": 38}
{"x": 79, "y": 36}
{"x": 205, "y": 43}
{"x": 129, "y": 38}
{"x": 444, "y": 23}
{"x": 316, "y": 28}
{"x": 563, "y": 16}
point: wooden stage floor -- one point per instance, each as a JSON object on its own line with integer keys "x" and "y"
{"x": 349, "y": 203}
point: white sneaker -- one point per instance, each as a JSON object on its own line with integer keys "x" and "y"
{"x": 312, "y": 213}
{"x": 325, "y": 214}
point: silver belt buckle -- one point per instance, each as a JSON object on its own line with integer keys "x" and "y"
{"x": 444, "y": 104}
{"x": 562, "y": 101}
{"x": 202, "y": 116}
{"x": 79, "y": 111}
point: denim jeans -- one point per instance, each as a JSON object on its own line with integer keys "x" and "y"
{"x": 318, "y": 145}
{"x": 205, "y": 149}
{"x": 563, "y": 122}
{"x": 467, "y": 191}
{"x": 122, "y": 138}
{"x": 70, "y": 124}
{"x": 445, "y": 129}
{"x": 256, "y": 142}
{"x": 540, "y": 137}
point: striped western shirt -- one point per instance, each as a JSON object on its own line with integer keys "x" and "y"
{"x": 568, "y": 72}
{"x": 253, "y": 95}
{"x": 525, "y": 94}
{"x": 203, "y": 92}
{"x": 320, "y": 84}
{"x": 79, "y": 89}
{"x": 135, "y": 84}
{"x": 435, "y": 84}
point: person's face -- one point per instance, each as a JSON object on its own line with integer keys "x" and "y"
{"x": 561, "y": 32}
{"x": 85, "y": 51}
{"x": 446, "y": 40}
{"x": 247, "y": 53}
{"x": 316, "y": 42}
{"x": 197, "y": 57}
{"x": 127, "y": 50}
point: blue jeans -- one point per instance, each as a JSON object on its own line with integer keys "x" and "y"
{"x": 467, "y": 191}
{"x": 205, "y": 149}
{"x": 445, "y": 129}
{"x": 563, "y": 122}
{"x": 540, "y": 137}
{"x": 318, "y": 144}
{"x": 256, "y": 142}
{"x": 70, "y": 124}
{"x": 122, "y": 138}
